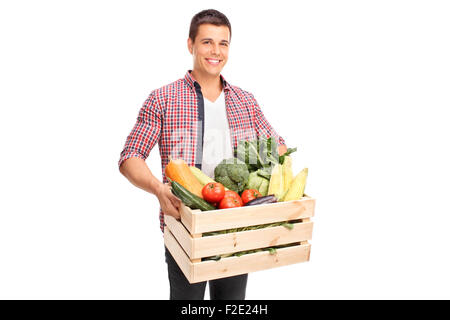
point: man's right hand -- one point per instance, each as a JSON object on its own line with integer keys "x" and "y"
{"x": 170, "y": 204}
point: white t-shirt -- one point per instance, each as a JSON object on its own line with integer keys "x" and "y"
{"x": 217, "y": 138}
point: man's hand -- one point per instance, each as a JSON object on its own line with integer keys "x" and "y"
{"x": 282, "y": 149}
{"x": 170, "y": 204}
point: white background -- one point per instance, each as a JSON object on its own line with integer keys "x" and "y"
{"x": 360, "y": 87}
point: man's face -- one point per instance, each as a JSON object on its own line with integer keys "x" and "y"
{"x": 210, "y": 49}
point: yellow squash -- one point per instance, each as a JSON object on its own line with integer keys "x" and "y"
{"x": 178, "y": 170}
{"x": 201, "y": 176}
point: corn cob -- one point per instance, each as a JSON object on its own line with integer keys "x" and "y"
{"x": 286, "y": 178}
{"x": 297, "y": 187}
{"x": 276, "y": 181}
{"x": 287, "y": 173}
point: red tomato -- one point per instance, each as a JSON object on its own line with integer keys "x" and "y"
{"x": 213, "y": 192}
{"x": 250, "y": 194}
{"x": 233, "y": 194}
{"x": 230, "y": 202}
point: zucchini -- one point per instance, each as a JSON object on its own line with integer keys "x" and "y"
{"x": 190, "y": 199}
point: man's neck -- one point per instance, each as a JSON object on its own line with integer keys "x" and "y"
{"x": 207, "y": 82}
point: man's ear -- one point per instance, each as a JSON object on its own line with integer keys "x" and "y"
{"x": 190, "y": 44}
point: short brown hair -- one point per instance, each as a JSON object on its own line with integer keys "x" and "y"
{"x": 209, "y": 16}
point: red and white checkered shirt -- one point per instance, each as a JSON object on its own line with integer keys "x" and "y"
{"x": 173, "y": 116}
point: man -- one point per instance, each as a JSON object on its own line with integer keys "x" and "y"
{"x": 189, "y": 119}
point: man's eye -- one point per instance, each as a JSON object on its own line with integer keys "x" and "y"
{"x": 225, "y": 44}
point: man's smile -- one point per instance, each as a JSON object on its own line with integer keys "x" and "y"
{"x": 213, "y": 62}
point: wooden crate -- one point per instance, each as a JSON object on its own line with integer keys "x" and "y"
{"x": 187, "y": 242}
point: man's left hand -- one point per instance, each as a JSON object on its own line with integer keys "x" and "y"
{"x": 282, "y": 149}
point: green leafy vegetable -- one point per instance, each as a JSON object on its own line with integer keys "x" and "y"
{"x": 258, "y": 182}
{"x": 285, "y": 224}
{"x": 232, "y": 173}
{"x": 272, "y": 250}
{"x": 261, "y": 155}
{"x": 288, "y": 152}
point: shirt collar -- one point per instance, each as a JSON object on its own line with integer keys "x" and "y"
{"x": 191, "y": 81}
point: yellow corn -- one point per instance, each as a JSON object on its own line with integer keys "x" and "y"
{"x": 286, "y": 176}
{"x": 276, "y": 181}
{"x": 287, "y": 173}
{"x": 297, "y": 187}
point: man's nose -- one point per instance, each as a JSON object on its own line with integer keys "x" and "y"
{"x": 215, "y": 49}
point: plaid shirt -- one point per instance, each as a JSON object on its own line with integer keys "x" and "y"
{"x": 173, "y": 116}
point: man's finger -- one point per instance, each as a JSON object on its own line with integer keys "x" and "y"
{"x": 171, "y": 208}
{"x": 178, "y": 200}
{"x": 175, "y": 199}
{"x": 176, "y": 205}
{"x": 175, "y": 213}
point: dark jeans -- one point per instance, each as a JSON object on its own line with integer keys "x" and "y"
{"x": 231, "y": 288}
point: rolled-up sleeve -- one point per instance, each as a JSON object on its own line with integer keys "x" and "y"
{"x": 262, "y": 126}
{"x": 146, "y": 131}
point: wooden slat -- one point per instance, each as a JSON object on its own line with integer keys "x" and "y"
{"x": 252, "y": 239}
{"x": 187, "y": 246}
{"x": 178, "y": 254}
{"x": 208, "y": 270}
{"x": 206, "y": 221}
{"x": 195, "y": 237}
{"x": 180, "y": 233}
{"x": 232, "y": 266}
{"x": 187, "y": 217}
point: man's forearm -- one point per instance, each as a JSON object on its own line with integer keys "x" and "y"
{"x": 139, "y": 174}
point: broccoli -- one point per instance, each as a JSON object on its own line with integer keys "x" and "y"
{"x": 232, "y": 173}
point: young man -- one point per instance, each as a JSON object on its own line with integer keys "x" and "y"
{"x": 200, "y": 119}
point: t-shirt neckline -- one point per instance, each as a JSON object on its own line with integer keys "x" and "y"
{"x": 213, "y": 102}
